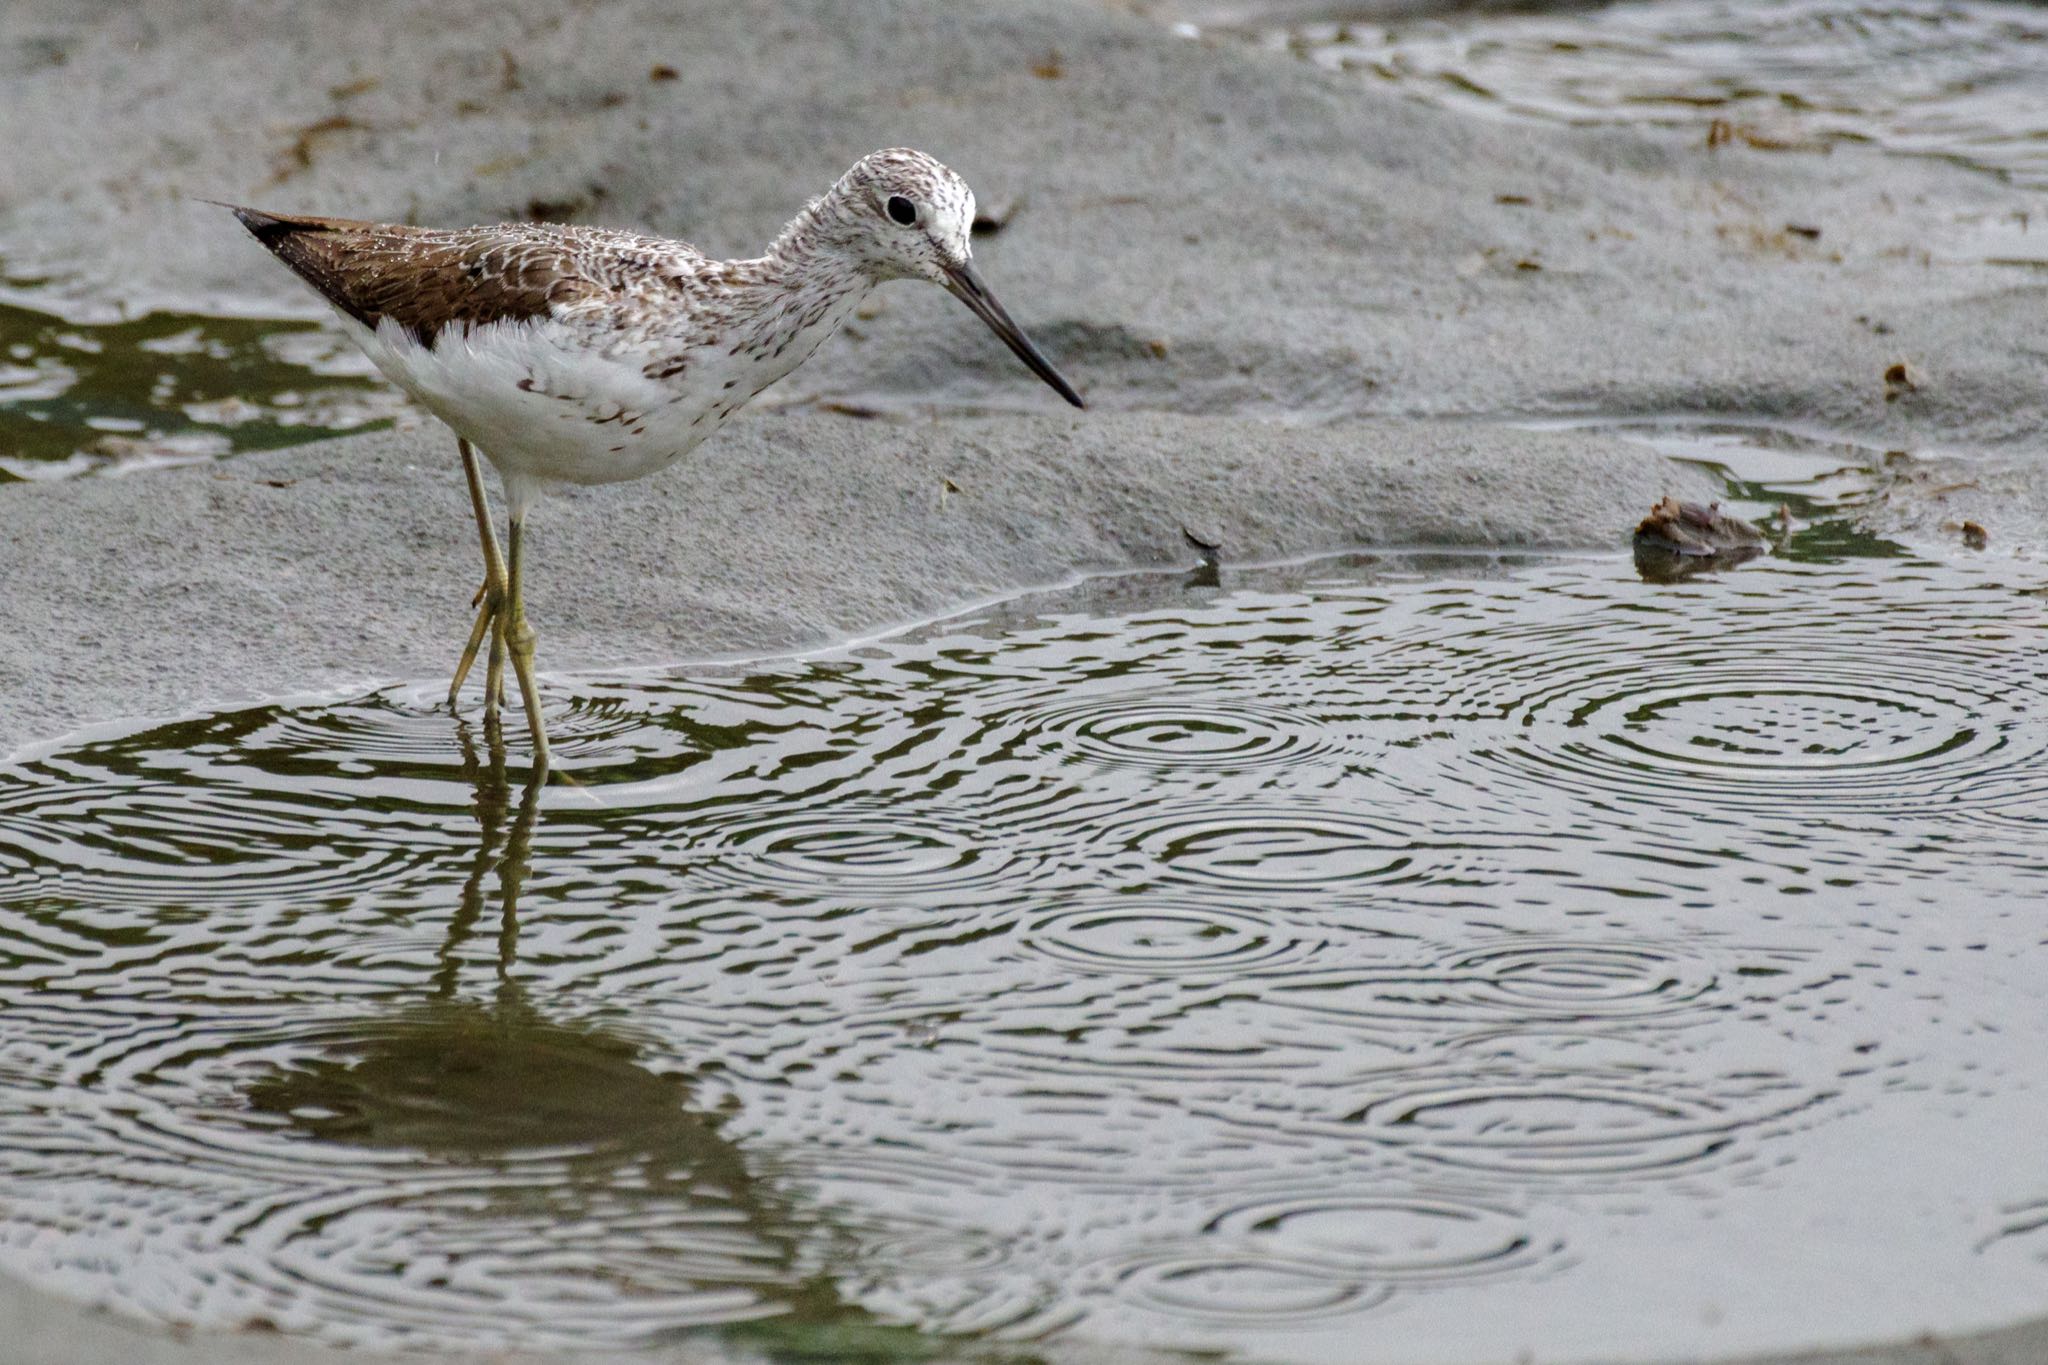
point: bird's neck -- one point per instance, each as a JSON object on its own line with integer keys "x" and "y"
{"x": 810, "y": 241}
{"x": 803, "y": 287}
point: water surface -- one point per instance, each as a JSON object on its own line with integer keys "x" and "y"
{"x": 1959, "y": 79}
{"x": 112, "y": 395}
{"x": 1362, "y": 961}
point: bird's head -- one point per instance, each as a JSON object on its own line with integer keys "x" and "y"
{"x": 900, "y": 214}
{"x": 915, "y": 216}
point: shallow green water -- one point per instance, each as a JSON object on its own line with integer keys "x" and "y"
{"x": 1355, "y": 961}
{"x": 167, "y": 388}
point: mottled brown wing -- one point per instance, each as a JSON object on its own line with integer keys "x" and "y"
{"x": 422, "y": 279}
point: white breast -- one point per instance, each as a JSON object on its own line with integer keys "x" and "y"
{"x": 540, "y": 405}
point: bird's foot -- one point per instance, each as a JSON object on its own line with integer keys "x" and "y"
{"x": 490, "y": 603}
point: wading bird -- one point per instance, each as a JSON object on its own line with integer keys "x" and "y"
{"x": 584, "y": 355}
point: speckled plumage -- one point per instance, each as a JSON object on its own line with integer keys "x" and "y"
{"x": 589, "y": 356}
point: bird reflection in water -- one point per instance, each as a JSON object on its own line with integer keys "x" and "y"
{"x": 565, "y": 1124}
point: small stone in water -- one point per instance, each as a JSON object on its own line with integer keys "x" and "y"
{"x": 1692, "y": 529}
{"x": 1679, "y": 539}
{"x": 1975, "y": 537}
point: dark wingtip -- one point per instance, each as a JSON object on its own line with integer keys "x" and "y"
{"x": 268, "y": 228}
{"x": 264, "y": 227}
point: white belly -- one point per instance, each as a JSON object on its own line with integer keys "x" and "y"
{"x": 541, "y": 407}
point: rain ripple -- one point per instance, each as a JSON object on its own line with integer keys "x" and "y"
{"x": 1351, "y": 943}
{"x": 1151, "y": 936}
{"x": 1182, "y": 729}
{"x": 1849, "y": 709}
{"x": 1410, "y": 1238}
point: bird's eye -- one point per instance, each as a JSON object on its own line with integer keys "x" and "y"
{"x": 902, "y": 210}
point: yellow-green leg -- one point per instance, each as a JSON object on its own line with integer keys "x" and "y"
{"x": 519, "y": 639}
{"x": 494, "y": 670}
{"x": 490, "y": 598}
{"x": 487, "y": 622}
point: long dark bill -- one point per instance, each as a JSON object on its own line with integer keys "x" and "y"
{"x": 967, "y": 287}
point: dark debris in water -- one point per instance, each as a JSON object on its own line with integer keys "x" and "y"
{"x": 1679, "y": 539}
{"x": 1973, "y": 534}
